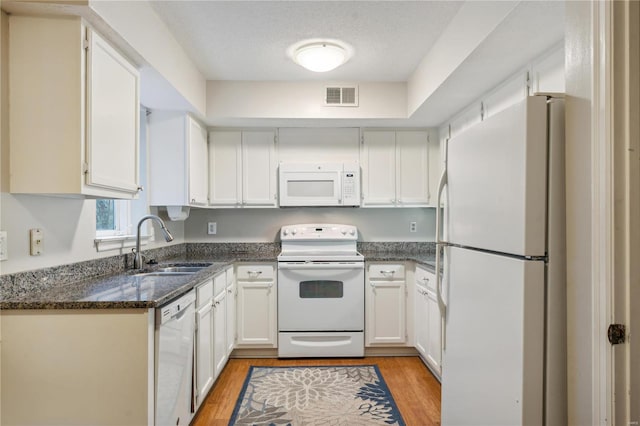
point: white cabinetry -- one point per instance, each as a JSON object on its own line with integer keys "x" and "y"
{"x": 395, "y": 168}
{"x": 231, "y": 310}
{"x": 215, "y": 317}
{"x": 205, "y": 369}
{"x": 385, "y": 304}
{"x": 74, "y": 111}
{"x": 243, "y": 168}
{"x": 178, "y": 160}
{"x": 256, "y": 306}
{"x": 428, "y": 322}
{"x": 220, "y": 322}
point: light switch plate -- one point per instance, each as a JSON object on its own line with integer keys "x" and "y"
{"x": 36, "y": 243}
{"x": 4, "y": 246}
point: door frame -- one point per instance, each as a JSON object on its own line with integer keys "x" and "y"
{"x": 626, "y": 133}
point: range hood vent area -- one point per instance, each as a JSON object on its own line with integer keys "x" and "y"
{"x": 341, "y": 96}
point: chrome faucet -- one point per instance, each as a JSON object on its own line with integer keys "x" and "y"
{"x": 137, "y": 258}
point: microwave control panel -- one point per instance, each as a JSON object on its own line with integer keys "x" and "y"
{"x": 351, "y": 187}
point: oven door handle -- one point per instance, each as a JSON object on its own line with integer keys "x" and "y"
{"x": 321, "y": 265}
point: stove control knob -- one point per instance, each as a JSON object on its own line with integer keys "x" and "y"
{"x": 285, "y": 232}
{"x": 294, "y": 231}
{"x": 352, "y": 232}
{"x": 344, "y": 231}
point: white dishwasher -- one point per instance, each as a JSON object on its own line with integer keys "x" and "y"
{"x": 175, "y": 323}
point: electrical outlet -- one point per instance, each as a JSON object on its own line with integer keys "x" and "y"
{"x": 4, "y": 246}
{"x": 413, "y": 227}
{"x": 212, "y": 228}
{"x": 36, "y": 241}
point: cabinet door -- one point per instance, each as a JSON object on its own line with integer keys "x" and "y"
{"x": 259, "y": 169}
{"x": 198, "y": 169}
{"x": 378, "y": 169}
{"x": 434, "y": 346}
{"x": 421, "y": 320}
{"x": 219, "y": 332}
{"x": 204, "y": 351}
{"x": 225, "y": 168}
{"x": 231, "y": 313}
{"x": 256, "y": 304}
{"x": 412, "y": 168}
{"x": 385, "y": 305}
{"x": 112, "y": 118}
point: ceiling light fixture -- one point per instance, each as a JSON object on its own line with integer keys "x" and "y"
{"x": 320, "y": 55}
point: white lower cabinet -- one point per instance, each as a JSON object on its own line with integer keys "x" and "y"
{"x": 220, "y": 331}
{"x": 215, "y": 316}
{"x": 385, "y": 305}
{"x": 205, "y": 369}
{"x": 231, "y": 310}
{"x": 256, "y": 306}
{"x": 428, "y": 321}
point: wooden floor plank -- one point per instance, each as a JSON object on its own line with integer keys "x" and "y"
{"x": 414, "y": 389}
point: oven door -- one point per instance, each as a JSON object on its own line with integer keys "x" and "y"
{"x": 321, "y": 296}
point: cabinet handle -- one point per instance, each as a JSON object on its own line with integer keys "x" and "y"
{"x": 254, "y": 274}
{"x": 425, "y": 279}
{"x": 270, "y": 285}
{"x": 373, "y": 285}
{"x": 193, "y": 200}
{"x": 140, "y": 188}
{"x": 387, "y": 273}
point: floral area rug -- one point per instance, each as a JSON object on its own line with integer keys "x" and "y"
{"x": 306, "y": 396}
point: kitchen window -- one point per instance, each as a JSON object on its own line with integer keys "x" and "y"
{"x": 116, "y": 220}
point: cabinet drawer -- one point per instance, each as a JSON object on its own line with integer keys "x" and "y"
{"x": 387, "y": 271}
{"x": 204, "y": 293}
{"x": 425, "y": 278}
{"x": 255, "y": 272}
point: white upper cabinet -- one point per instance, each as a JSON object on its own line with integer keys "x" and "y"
{"x": 178, "y": 160}
{"x": 225, "y": 165}
{"x": 395, "y": 168}
{"x": 74, "y": 115}
{"x": 243, "y": 168}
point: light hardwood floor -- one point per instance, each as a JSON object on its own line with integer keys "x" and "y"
{"x": 415, "y": 390}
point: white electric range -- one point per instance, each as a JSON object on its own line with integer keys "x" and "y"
{"x": 320, "y": 292}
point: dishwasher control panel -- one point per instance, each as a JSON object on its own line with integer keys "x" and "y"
{"x": 173, "y": 309}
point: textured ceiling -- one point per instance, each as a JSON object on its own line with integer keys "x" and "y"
{"x": 247, "y": 40}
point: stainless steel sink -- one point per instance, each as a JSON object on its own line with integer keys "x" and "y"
{"x": 163, "y": 274}
{"x": 181, "y": 269}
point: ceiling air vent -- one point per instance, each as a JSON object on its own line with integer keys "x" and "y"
{"x": 341, "y": 96}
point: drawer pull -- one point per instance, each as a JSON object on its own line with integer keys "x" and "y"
{"x": 254, "y": 274}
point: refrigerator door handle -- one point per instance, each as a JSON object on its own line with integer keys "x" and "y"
{"x": 439, "y": 245}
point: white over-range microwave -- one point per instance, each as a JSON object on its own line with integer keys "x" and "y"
{"x": 319, "y": 184}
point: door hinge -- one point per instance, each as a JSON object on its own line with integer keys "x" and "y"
{"x": 616, "y": 333}
{"x": 362, "y": 140}
{"x": 527, "y": 84}
{"x": 85, "y": 167}
{"x": 85, "y": 44}
{"x": 481, "y": 111}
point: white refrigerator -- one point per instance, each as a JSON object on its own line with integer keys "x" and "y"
{"x": 501, "y": 250}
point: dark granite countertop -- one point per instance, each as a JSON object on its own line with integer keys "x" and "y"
{"x": 125, "y": 289}
{"x": 426, "y": 259}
